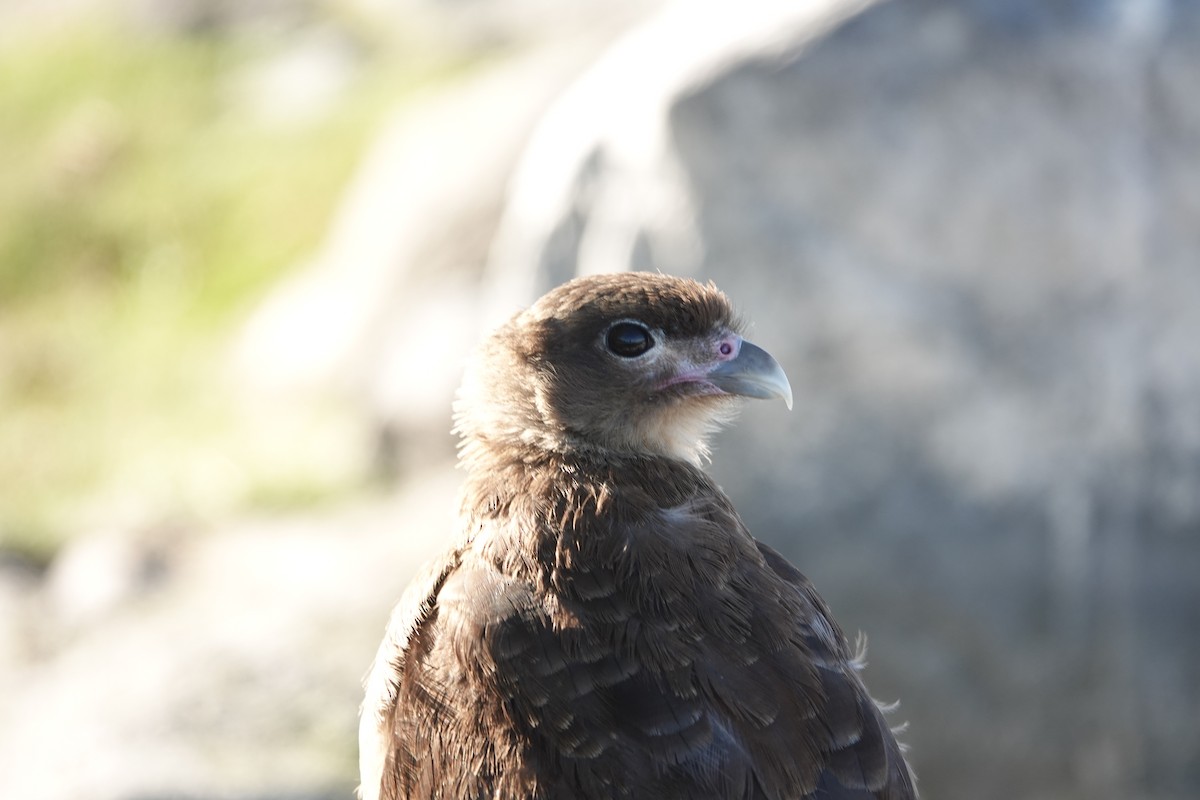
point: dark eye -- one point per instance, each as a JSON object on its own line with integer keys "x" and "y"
{"x": 629, "y": 339}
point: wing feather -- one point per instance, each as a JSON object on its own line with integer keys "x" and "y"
{"x": 663, "y": 654}
{"x": 377, "y": 745}
{"x": 862, "y": 758}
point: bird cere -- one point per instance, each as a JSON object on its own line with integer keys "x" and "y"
{"x": 605, "y": 625}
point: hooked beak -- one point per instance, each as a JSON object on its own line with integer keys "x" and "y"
{"x": 752, "y": 373}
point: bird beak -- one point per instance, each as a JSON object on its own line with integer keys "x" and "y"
{"x": 752, "y": 373}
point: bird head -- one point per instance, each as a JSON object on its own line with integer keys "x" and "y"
{"x": 628, "y": 363}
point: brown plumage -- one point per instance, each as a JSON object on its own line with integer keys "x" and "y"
{"x": 605, "y": 625}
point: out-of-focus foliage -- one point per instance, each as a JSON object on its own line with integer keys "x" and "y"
{"x": 145, "y": 203}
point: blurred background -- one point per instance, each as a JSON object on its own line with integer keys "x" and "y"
{"x": 245, "y": 247}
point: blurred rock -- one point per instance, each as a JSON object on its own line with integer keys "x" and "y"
{"x": 168, "y": 17}
{"x": 462, "y": 26}
{"x": 237, "y": 678}
{"x": 387, "y": 310}
{"x": 474, "y": 25}
{"x": 301, "y": 82}
{"x": 968, "y": 229}
{"x": 95, "y": 574}
{"x": 19, "y": 580}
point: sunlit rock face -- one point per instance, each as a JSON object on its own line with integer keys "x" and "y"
{"x": 969, "y": 229}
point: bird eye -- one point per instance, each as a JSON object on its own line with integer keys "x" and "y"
{"x": 629, "y": 339}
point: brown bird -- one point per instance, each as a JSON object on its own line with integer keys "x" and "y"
{"x": 605, "y": 625}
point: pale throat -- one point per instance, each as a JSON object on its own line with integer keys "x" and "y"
{"x": 682, "y": 431}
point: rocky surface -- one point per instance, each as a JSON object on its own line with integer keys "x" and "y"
{"x": 395, "y": 285}
{"x": 968, "y": 230}
{"x": 234, "y": 673}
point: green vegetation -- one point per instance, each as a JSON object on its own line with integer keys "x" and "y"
{"x": 143, "y": 209}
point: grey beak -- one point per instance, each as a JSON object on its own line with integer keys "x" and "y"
{"x": 753, "y": 373}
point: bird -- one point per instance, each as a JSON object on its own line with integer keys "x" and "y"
{"x": 604, "y": 625}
